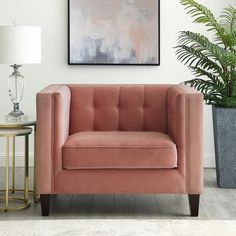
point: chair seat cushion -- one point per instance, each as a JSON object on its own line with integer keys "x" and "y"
{"x": 119, "y": 150}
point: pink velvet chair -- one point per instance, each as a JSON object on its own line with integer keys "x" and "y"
{"x": 119, "y": 139}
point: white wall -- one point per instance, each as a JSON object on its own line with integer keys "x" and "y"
{"x": 52, "y": 16}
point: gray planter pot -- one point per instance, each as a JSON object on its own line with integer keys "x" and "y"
{"x": 224, "y": 123}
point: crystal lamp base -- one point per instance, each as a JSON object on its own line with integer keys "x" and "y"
{"x": 16, "y": 90}
{"x": 10, "y": 118}
{"x": 16, "y": 111}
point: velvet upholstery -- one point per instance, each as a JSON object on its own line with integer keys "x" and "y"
{"x": 93, "y": 119}
{"x": 119, "y": 150}
{"x": 118, "y": 108}
{"x": 185, "y": 127}
{"x": 53, "y": 104}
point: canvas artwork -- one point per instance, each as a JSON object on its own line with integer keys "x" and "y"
{"x": 114, "y": 32}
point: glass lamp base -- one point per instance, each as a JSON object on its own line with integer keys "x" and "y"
{"x": 16, "y": 90}
{"x": 11, "y": 118}
{"x": 16, "y": 113}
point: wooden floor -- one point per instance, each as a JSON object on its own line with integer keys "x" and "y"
{"x": 215, "y": 203}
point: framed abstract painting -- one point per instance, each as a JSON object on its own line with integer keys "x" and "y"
{"x": 114, "y": 32}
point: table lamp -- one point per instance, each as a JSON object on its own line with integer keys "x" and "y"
{"x": 19, "y": 45}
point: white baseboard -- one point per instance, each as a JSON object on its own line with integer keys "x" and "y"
{"x": 209, "y": 160}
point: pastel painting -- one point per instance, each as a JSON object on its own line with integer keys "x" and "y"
{"x": 113, "y": 32}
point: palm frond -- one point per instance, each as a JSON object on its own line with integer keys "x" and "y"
{"x": 208, "y": 89}
{"x": 228, "y": 19}
{"x": 204, "y": 16}
{"x": 209, "y": 49}
{"x": 194, "y": 57}
{"x": 219, "y": 82}
{"x": 228, "y": 22}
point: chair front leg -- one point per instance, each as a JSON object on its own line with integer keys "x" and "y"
{"x": 45, "y": 204}
{"x": 194, "y": 200}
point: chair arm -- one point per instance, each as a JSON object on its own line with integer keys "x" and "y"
{"x": 185, "y": 127}
{"x": 53, "y": 106}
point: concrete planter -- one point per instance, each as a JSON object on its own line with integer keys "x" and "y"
{"x": 224, "y": 122}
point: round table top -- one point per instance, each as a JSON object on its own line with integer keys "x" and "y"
{"x": 15, "y": 132}
{"x": 7, "y": 121}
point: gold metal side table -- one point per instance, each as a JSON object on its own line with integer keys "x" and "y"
{"x": 24, "y": 122}
{"x": 11, "y": 134}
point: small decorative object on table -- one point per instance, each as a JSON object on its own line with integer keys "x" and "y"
{"x": 19, "y": 45}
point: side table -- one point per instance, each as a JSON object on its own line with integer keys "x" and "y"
{"x": 11, "y": 134}
{"x": 25, "y": 121}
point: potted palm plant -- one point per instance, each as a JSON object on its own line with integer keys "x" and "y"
{"x": 213, "y": 63}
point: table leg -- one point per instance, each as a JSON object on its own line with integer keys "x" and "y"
{"x": 26, "y": 179}
{"x": 13, "y": 165}
{"x": 7, "y": 173}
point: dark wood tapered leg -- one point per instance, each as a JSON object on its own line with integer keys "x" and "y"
{"x": 45, "y": 204}
{"x": 194, "y": 204}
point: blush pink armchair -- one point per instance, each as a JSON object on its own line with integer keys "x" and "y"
{"x": 119, "y": 139}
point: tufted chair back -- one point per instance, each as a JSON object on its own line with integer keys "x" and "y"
{"x": 118, "y": 108}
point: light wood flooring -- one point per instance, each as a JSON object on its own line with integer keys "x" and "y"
{"x": 215, "y": 203}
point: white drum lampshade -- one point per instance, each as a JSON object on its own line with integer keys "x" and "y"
{"x": 19, "y": 45}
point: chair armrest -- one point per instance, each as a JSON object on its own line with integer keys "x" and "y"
{"x": 185, "y": 127}
{"x": 53, "y": 106}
